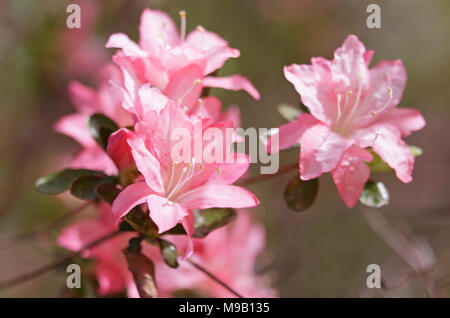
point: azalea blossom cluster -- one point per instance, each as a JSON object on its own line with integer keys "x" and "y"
{"x": 154, "y": 87}
{"x": 127, "y": 167}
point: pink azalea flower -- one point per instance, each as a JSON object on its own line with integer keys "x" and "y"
{"x": 173, "y": 189}
{"x": 88, "y": 101}
{"x": 176, "y": 65}
{"x": 351, "y": 108}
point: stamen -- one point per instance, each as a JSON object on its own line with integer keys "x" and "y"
{"x": 339, "y": 98}
{"x": 386, "y": 105}
{"x": 200, "y": 101}
{"x": 183, "y": 25}
{"x": 188, "y": 91}
{"x": 358, "y": 97}
{"x": 187, "y": 174}
{"x": 200, "y": 28}
{"x": 218, "y": 171}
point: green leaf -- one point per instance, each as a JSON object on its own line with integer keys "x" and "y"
{"x": 101, "y": 127}
{"x": 206, "y": 221}
{"x": 141, "y": 223}
{"x": 288, "y": 112}
{"x": 60, "y": 181}
{"x": 107, "y": 192}
{"x": 300, "y": 195}
{"x": 169, "y": 253}
{"x": 374, "y": 194}
{"x": 85, "y": 187}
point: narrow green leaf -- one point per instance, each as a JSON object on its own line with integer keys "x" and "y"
{"x": 85, "y": 187}
{"x": 374, "y": 194}
{"x": 101, "y": 127}
{"x": 206, "y": 221}
{"x": 169, "y": 253}
{"x": 300, "y": 195}
{"x": 60, "y": 181}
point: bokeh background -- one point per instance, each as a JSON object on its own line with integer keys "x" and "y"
{"x": 322, "y": 252}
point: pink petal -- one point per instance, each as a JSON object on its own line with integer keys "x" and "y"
{"x": 315, "y": 86}
{"x": 75, "y": 126}
{"x": 216, "y": 49}
{"x": 109, "y": 277}
{"x": 94, "y": 158}
{"x": 151, "y": 99}
{"x": 157, "y": 30}
{"x": 232, "y": 114}
{"x": 406, "y": 120}
{"x": 387, "y": 78}
{"x": 320, "y": 151}
{"x": 368, "y": 57}
{"x": 185, "y": 86}
{"x": 350, "y": 65}
{"x": 394, "y": 151}
{"x": 188, "y": 225}
{"x": 218, "y": 196}
{"x": 165, "y": 213}
{"x": 204, "y": 40}
{"x": 170, "y": 118}
{"x": 84, "y": 98}
{"x": 351, "y": 174}
{"x": 77, "y": 235}
{"x": 216, "y": 58}
{"x": 122, "y": 41}
{"x": 119, "y": 150}
{"x": 131, "y": 196}
{"x": 208, "y": 107}
{"x": 147, "y": 164}
{"x": 234, "y": 83}
{"x": 289, "y": 134}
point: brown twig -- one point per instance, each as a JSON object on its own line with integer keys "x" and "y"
{"x": 263, "y": 177}
{"x": 413, "y": 250}
{"x": 45, "y": 268}
{"x": 46, "y": 228}
{"x": 217, "y": 280}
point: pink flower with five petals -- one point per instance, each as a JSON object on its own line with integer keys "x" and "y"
{"x": 172, "y": 189}
{"x": 351, "y": 108}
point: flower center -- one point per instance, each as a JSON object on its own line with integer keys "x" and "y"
{"x": 348, "y": 114}
{"x": 178, "y": 180}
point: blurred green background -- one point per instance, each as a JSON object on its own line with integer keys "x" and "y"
{"x": 322, "y": 252}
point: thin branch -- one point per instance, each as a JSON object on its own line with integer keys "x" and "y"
{"x": 58, "y": 261}
{"x": 217, "y": 280}
{"x": 263, "y": 177}
{"x": 415, "y": 251}
{"x": 46, "y": 228}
